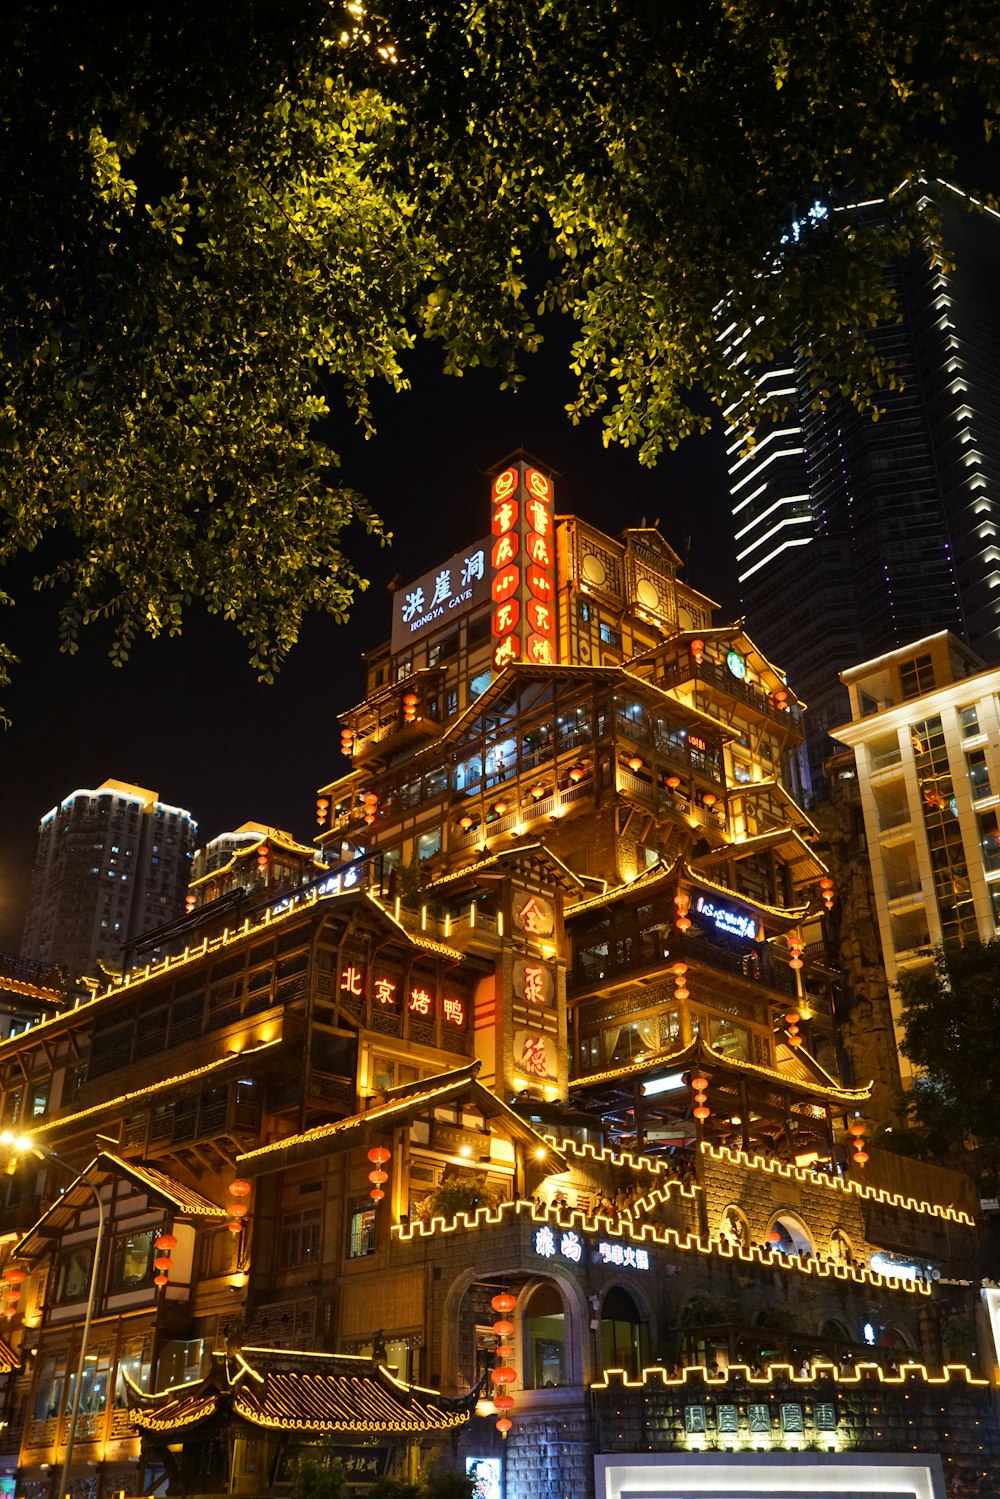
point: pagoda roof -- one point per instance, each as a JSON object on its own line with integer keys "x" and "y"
{"x": 732, "y": 632}
{"x": 700, "y": 1053}
{"x": 520, "y": 854}
{"x": 789, "y": 914}
{"x": 329, "y": 1393}
{"x": 803, "y": 860}
{"x": 182, "y": 1201}
{"x": 400, "y": 1105}
{"x": 658, "y": 874}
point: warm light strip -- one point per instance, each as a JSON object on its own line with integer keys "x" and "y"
{"x": 787, "y": 1375}
{"x": 623, "y": 1158}
{"x": 796, "y": 1173}
{"x": 646, "y": 1234}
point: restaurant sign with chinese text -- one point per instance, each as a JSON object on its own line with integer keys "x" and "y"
{"x": 441, "y": 595}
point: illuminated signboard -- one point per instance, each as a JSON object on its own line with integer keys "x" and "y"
{"x": 441, "y": 595}
{"x": 733, "y": 923}
{"x": 523, "y": 568}
{"x": 568, "y": 1245}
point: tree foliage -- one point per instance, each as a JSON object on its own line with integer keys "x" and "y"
{"x": 951, "y": 1025}
{"x": 222, "y": 224}
{"x": 317, "y": 1477}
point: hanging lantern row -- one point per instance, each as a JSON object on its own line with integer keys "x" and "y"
{"x": 697, "y": 651}
{"x": 792, "y": 1021}
{"x": 503, "y": 1374}
{"x": 239, "y": 1209}
{"x": 378, "y": 1155}
{"x": 370, "y": 802}
{"x": 699, "y": 1084}
{"x": 164, "y": 1244}
{"x": 322, "y": 809}
{"x": 12, "y": 1295}
{"x": 682, "y": 901}
{"x": 347, "y": 742}
{"x": 410, "y": 701}
{"x": 795, "y": 948}
{"x": 262, "y": 859}
{"x": 780, "y": 699}
{"x": 826, "y": 887}
{"x": 190, "y": 901}
{"x": 681, "y": 990}
{"x": 857, "y": 1129}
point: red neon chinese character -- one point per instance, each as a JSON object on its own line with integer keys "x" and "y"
{"x": 534, "y": 985}
{"x": 506, "y": 617}
{"x": 532, "y": 917}
{"x": 350, "y": 980}
{"x": 505, "y": 583}
{"x": 538, "y": 549}
{"x": 533, "y": 1056}
{"x": 538, "y": 484}
{"x": 507, "y": 651}
{"x": 454, "y": 1011}
{"x": 385, "y": 991}
{"x": 540, "y": 651}
{"x": 504, "y": 484}
{"x": 504, "y": 517}
{"x": 539, "y": 583}
{"x": 539, "y": 517}
{"x": 540, "y": 616}
{"x": 420, "y": 1001}
{"x": 505, "y": 550}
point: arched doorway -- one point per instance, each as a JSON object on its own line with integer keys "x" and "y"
{"x": 792, "y": 1236}
{"x": 544, "y": 1346}
{"x": 622, "y": 1333}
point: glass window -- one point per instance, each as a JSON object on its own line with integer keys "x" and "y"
{"x": 180, "y": 1362}
{"x": 989, "y": 839}
{"x": 585, "y": 611}
{"x": 96, "y": 1386}
{"x": 131, "y": 1261}
{"x": 301, "y": 1236}
{"x": 916, "y": 676}
{"x": 49, "y": 1387}
{"x": 969, "y": 721}
{"x": 609, "y": 635}
{"x": 479, "y": 684}
{"x": 979, "y": 773}
{"x": 544, "y": 1340}
{"x": 73, "y": 1274}
{"x": 362, "y": 1240}
{"x": 429, "y": 844}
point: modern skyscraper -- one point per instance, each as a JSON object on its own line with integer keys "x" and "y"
{"x": 111, "y": 864}
{"x": 855, "y": 536}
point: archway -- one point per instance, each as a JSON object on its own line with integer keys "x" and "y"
{"x": 544, "y": 1345}
{"x": 792, "y": 1235}
{"x": 623, "y": 1335}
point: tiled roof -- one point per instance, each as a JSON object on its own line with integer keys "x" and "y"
{"x": 310, "y": 1392}
{"x": 185, "y": 1199}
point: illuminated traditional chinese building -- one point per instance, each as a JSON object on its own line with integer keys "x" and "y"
{"x": 536, "y": 1082}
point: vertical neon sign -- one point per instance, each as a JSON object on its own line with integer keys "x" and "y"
{"x": 523, "y": 558}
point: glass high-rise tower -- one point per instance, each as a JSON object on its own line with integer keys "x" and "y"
{"x": 854, "y": 536}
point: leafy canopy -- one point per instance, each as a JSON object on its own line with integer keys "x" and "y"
{"x": 222, "y": 224}
{"x": 951, "y": 1023}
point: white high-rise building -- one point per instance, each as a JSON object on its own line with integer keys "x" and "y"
{"x": 925, "y": 730}
{"x": 111, "y": 864}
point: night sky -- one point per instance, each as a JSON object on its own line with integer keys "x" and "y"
{"x": 188, "y": 719}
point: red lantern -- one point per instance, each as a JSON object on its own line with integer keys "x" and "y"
{"x": 504, "y": 1353}
{"x": 500, "y": 808}
{"x": 240, "y": 1189}
{"x": 235, "y": 1227}
{"x": 162, "y": 1262}
{"x": 378, "y": 1177}
{"x": 503, "y": 1402}
{"x": 503, "y": 1329}
{"x": 697, "y": 651}
{"x": 465, "y": 822}
{"x": 504, "y": 1425}
{"x": 537, "y": 791}
{"x": 13, "y": 1296}
{"x": 379, "y": 1155}
{"x": 376, "y": 1194}
{"x": 16, "y": 1277}
{"x": 190, "y": 901}
{"x": 165, "y": 1241}
{"x": 774, "y": 1237}
{"x": 860, "y": 1157}
{"x": 239, "y": 1210}
{"x": 702, "y": 1111}
{"x": 634, "y": 763}
{"x": 322, "y": 808}
{"x": 857, "y": 1127}
{"x": 160, "y": 1280}
{"x": 503, "y": 1301}
{"x": 577, "y": 773}
{"x": 673, "y": 782}
{"x": 503, "y": 1375}
{"x": 709, "y": 799}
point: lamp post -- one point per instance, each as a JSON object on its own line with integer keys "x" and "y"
{"x": 24, "y": 1144}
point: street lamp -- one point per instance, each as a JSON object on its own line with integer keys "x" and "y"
{"x": 25, "y": 1145}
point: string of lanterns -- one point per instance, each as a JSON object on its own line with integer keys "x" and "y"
{"x": 699, "y": 1084}
{"x": 322, "y": 808}
{"x": 14, "y": 1280}
{"x": 370, "y": 802}
{"x": 263, "y": 858}
{"x": 239, "y": 1209}
{"x": 857, "y": 1129}
{"x": 792, "y": 1021}
{"x": 795, "y": 948}
{"x": 503, "y": 1374}
{"x": 681, "y": 990}
{"x": 378, "y": 1155}
{"x": 410, "y": 701}
{"x": 347, "y": 742}
{"x": 697, "y": 651}
{"x": 164, "y": 1243}
{"x": 826, "y": 887}
{"x": 682, "y": 901}
{"x": 190, "y": 901}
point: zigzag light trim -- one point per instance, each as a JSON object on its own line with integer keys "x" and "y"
{"x": 834, "y": 1184}
{"x": 646, "y": 1234}
{"x": 859, "y": 1373}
